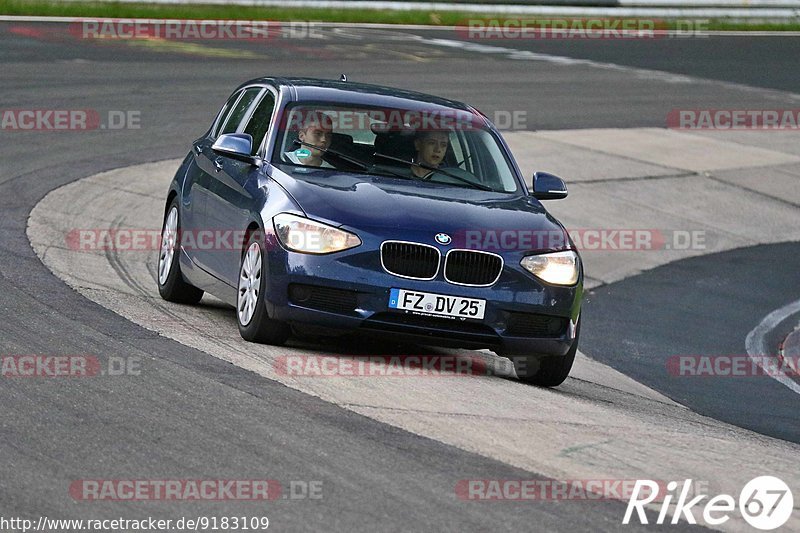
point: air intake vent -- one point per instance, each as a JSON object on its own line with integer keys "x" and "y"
{"x": 530, "y": 325}
{"x": 323, "y": 298}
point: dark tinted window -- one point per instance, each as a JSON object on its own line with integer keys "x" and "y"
{"x": 259, "y": 122}
{"x": 239, "y": 111}
{"x": 224, "y": 112}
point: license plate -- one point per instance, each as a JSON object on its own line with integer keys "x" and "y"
{"x": 437, "y": 304}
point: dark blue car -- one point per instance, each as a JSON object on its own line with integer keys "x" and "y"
{"x": 345, "y": 206}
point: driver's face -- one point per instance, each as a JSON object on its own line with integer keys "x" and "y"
{"x": 431, "y": 148}
{"x": 318, "y": 136}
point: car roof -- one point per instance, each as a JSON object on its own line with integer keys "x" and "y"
{"x": 316, "y": 89}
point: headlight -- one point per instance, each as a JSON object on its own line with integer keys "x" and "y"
{"x": 558, "y": 268}
{"x": 306, "y": 236}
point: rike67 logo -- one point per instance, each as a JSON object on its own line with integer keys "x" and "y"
{"x": 765, "y": 502}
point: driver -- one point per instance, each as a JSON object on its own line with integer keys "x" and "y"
{"x": 431, "y": 147}
{"x": 317, "y": 130}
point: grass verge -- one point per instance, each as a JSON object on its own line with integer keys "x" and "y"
{"x": 232, "y": 12}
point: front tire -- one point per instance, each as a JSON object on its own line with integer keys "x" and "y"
{"x": 546, "y": 371}
{"x": 251, "y": 311}
{"x": 171, "y": 285}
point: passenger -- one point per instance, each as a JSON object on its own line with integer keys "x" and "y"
{"x": 431, "y": 147}
{"x": 317, "y": 130}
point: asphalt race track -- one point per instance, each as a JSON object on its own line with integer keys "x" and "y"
{"x": 390, "y": 454}
{"x": 732, "y": 302}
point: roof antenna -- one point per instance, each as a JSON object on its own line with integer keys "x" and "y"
{"x": 343, "y": 77}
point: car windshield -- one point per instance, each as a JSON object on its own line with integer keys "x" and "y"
{"x": 440, "y": 146}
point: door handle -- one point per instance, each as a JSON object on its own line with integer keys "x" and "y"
{"x": 218, "y": 164}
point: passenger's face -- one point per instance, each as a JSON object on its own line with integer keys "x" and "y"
{"x": 431, "y": 148}
{"x": 317, "y": 135}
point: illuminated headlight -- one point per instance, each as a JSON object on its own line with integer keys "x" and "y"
{"x": 558, "y": 268}
{"x": 309, "y": 237}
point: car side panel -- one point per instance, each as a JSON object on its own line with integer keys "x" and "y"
{"x": 228, "y": 212}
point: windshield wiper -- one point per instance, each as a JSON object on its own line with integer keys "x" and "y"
{"x": 353, "y": 161}
{"x": 343, "y": 157}
{"x": 480, "y": 186}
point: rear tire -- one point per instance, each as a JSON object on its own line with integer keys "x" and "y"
{"x": 171, "y": 285}
{"x": 546, "y": 371}
{"x": 251, "y": 310}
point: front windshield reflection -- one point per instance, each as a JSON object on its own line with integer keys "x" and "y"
{"x": 443, "y": 146}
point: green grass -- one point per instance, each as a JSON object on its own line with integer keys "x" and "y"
{"x": 200, "y": 11}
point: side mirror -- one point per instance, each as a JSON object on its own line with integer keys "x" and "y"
{"x": 548, "y": 187}
{"x": 237, "y": 146}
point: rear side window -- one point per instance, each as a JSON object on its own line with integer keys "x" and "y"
{"x": 240, "y": 110}
{"x": 259, "y": 122}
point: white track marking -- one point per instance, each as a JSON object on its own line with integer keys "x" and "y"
{"x": 756, "y": 341}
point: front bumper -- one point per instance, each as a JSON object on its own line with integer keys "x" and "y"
{"x": 349, "y": 291}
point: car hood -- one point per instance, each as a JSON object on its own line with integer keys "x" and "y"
{"x": 400, "y": 209}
